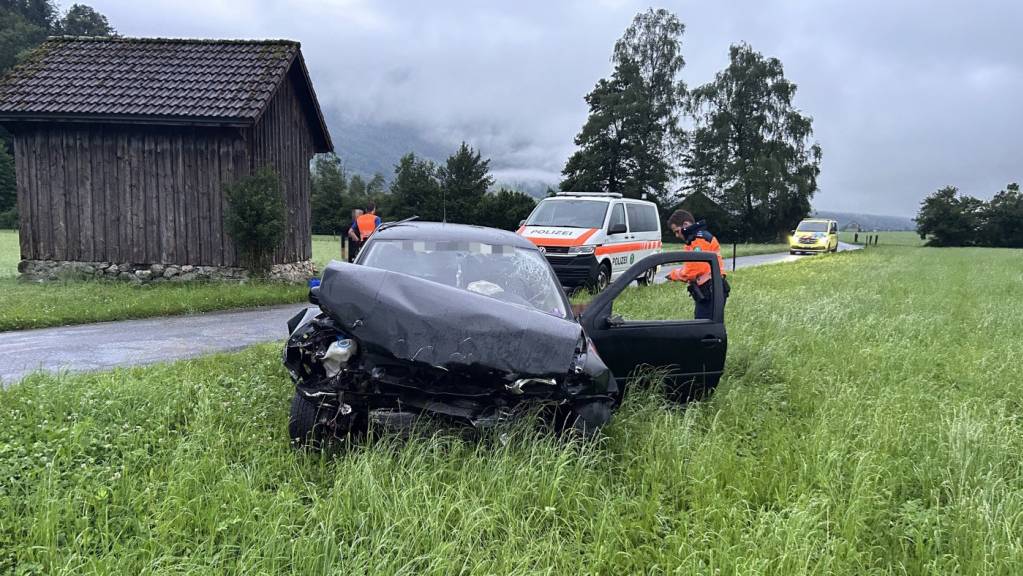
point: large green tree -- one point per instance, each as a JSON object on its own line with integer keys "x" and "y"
{"x": 327, "y": 200}
{"x": 632, "y": 135}
{"x": 82, "y": 20}
{"x": 751, "y": 149}
{"x": 464, "y": 180}
{"x": 1002, "y": 219}
{"x": 415, "y": 190}
{"x": 504, "y": 209}
{"x": 948, "y": 218}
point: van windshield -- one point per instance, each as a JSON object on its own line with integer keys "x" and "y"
{"x": 569, "y": 214}
{"x": 812, "y": 227}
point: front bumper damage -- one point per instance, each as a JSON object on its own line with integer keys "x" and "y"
{"x": 386, "y": 347}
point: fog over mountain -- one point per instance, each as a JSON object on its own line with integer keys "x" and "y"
{"x": 906, "y": 96}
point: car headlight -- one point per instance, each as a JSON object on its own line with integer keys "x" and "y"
{"x": 581, "y": 250}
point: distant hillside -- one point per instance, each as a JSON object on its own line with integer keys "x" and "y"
{"x": 867, "y": 221}
{"x": 369, "y": 149}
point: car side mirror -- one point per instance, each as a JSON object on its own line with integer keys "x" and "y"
{"x": 793, "y": 232}
{"x": 522, "y": 223}
{"x": 617, "y": 229}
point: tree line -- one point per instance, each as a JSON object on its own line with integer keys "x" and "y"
{"x": 747, "y": 148}
{"x": 458, "y": 191}
{"x": 949, "y": 218}
{"x": 24, "y": 24}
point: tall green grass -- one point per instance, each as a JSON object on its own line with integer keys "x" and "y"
{"x": 37, "y": 305}
{"x": 869, "y": 423}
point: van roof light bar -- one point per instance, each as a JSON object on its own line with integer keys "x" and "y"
{"x": 595, "y": 194}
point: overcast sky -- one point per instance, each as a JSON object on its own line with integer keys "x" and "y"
{"x": 906, "y": 96}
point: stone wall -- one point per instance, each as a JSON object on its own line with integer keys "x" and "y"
{"x": 48, "y": 270}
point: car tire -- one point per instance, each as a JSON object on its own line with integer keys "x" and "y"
{"x": 793, "y": 252}
{"x": 308, "y": 428}
{"x": 603, "y": 279}
{"x": 648, "y": 278}
{"x": 586, "y": 419}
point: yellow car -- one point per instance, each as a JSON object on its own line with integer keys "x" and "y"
{"x": 813, "y": 235}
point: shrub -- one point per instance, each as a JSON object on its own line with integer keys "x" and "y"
{"x": 255, "y": 218}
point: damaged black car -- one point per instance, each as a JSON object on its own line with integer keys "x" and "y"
{"x": 470, "y": 324}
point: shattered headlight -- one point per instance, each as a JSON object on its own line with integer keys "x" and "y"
{"x": 581, "y": 250}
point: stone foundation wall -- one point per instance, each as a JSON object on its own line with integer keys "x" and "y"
{"x": 48, "y": 270}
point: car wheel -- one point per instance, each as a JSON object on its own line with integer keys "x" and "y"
{"x": 793, "y": 252}
{"x": 603, "y": 278}
{"x": 585, "y": 420}
{"x": 648, "y": 278}
{"x": 308, "y": 426}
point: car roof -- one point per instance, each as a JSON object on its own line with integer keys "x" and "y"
{"x": 817, "y": 220}
{"x": 604, "y": 199}
{"x": 417, "y": 230}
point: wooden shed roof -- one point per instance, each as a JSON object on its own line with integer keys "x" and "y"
{"x": 156, "y": 80}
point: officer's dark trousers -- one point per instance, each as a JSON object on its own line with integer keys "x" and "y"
{"x": 705, "y": 307}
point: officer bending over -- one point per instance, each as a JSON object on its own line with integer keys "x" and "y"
{"x": 697, "y": 274}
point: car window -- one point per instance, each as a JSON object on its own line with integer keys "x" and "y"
{"x": 568, "y": 213}
{"x": 508, "y": 273}
{"x": 617, "y": 216}
{"x": 642, "y": 218}
{"x": 834, "y": 228}
{"x": 812, "y": 227}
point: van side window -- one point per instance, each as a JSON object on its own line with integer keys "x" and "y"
{"x": 617, "y": 216}
{"x": 642, "y": 218}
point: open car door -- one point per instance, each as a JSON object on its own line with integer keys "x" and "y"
{"x": 691, "y": 353}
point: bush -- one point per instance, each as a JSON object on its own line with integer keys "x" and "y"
{"x": 255, "y": 218}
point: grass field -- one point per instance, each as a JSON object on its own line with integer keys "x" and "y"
{"x": 63, "y": 303}
{"x": 902, "y": 238}
{"x": 740, "y": 249}
{"x": 868, "y": 424}
{"x": 55, "y": 304}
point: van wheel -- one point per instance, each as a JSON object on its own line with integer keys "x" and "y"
{"x": 648, "y": 278}
{"x": 603, "y": 277}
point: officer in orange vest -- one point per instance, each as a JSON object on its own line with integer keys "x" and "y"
{"x": 697, "y": 274}
{"x": 366, "y": 224}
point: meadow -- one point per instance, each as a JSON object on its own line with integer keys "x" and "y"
{"x": 868, "y": 423}
{"x": 886, "y": 238}
{"x": 38, "y": 305}
{"x": 24, "y": 305}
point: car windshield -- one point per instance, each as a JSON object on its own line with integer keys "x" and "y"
{"x": 518, "y": 275}
{"x": 569, "y": 213}
{"x": 812, "y": 227}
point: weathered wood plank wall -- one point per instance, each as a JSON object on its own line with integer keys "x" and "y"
{"x": 92, "y": 193}
{"x": 282, "y": 139}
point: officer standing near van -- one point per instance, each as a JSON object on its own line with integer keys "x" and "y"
{"x": 697, "y": 274}
{"x": 354, "y": 237}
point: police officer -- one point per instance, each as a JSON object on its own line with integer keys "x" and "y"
{"x": 697, "y": 274}
{"x": 354, "y": 237}
{"x": 368, "y": 222}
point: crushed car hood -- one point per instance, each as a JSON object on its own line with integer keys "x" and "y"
{"x": 426, "y": 322}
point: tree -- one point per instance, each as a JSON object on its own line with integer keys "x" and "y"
{"x": 8, "y": 191}
{"x": 81, "y": 20}
{"x": 505, "y": 209}
{"x": 255, "y": 218}
{"x": 464, "y": 179}
{"x": 949, "y": 219}
{"x": 631, "y": 137}
{"x": 1002, "y": 219}
{"x": 753, "y": 145}
{"x": 653, "y": 42}
{"x": 415, "y": 190}
{"x": 327, "y": 199}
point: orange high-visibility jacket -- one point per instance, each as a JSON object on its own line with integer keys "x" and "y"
{"x": 699, "y": 272}
{"x": 367, "y": 225}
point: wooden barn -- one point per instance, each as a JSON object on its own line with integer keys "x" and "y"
{"x": 123, "y": 147}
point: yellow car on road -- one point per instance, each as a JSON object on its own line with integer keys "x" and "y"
{"x": 814, "y": 235}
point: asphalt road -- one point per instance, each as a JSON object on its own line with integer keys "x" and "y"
{"x": 106, "y": 345}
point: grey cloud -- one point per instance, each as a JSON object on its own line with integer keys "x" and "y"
{"x": 906, "y": 96}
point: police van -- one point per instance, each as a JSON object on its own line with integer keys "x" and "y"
{"x": 590, "y": 238}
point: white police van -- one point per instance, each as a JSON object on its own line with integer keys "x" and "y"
{"x": 590, "y": 238}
